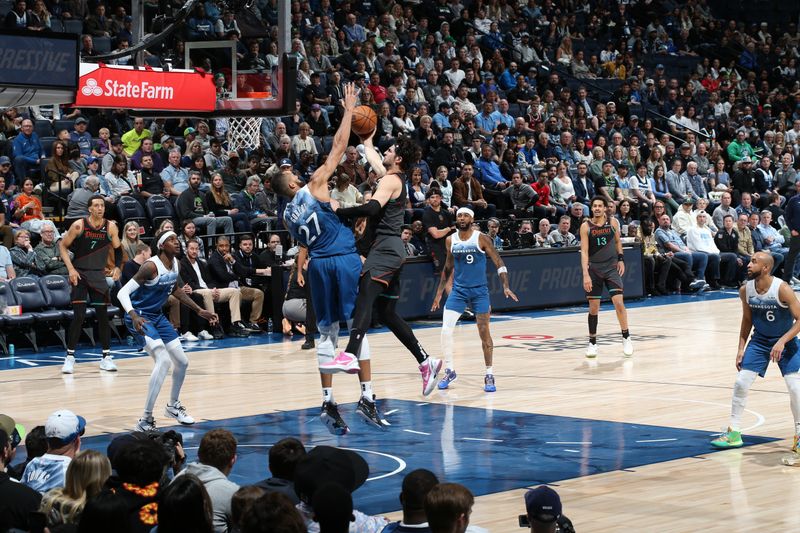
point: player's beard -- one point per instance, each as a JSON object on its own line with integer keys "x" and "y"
{"x": 752, "y": 275}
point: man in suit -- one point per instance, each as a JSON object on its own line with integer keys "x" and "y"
{"x": 226, "y": 271}
{"x": 582, "y": 183}
{"x": 196, "y": 274}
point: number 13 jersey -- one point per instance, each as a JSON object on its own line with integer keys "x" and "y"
{"x": 469, "y": 260}
{"x": 316, "y": 226}
{"x": 771, "y": 318}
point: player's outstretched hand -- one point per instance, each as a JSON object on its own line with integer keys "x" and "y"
{"x": 509, "y": 294}
{"x": 350, "y": 96}
{"x": 212, "y": 318}
{"x": 74, "y": 277}
{"x": 777, "y": 352}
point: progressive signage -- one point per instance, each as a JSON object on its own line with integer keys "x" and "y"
{"x": 38, "y": 61}
{"x": 120, "y": 87}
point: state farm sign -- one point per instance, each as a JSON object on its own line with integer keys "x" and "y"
{"x": 127, "y": 88}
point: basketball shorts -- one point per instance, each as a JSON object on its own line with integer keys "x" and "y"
{"x": 604, "y": 275}
{"x": 756, "y": 355}
{"x": 384, "y": 261}
{"x": 334, "y": 287}
{"x": 157, "y": 327}
{"x": 476, "y": 298}
{"x": 92, "y": 288}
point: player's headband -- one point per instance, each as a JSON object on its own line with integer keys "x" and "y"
{"x": 466, "y": 211}
{"x": 164, "y": 238}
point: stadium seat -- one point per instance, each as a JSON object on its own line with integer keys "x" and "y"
{"x": 129, "y": 208}
{"x": 47, "y": 145}
{"x": 58, "y": 296}
{"x": 102, "y": 44}
{"x": 73, "y": 26}
{"x": 56, "y": 25}
{"x": 159, "y": 209}
{"x": 6, "y": 298}
{"x": 29, "y": 295}
{"x": 43, "y": 128}
{"x": 59, "y": 125}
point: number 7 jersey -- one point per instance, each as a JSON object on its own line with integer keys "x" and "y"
{"x": 314, "y": 225}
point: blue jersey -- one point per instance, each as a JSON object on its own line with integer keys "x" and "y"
{"x": 316, "y": 226}
{"x": 469, "y": 261}
{"x": 149, "y": 298}
{"x": 771, "y": 318}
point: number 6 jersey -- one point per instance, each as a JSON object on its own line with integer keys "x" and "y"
{"x": 314, "y": 225}
{"x": 469, "y": 261}
{"x": 771, "y": 318}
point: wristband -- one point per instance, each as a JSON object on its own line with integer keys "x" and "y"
{"x": 621, "y": 258}
{"x": 502, "y": 270}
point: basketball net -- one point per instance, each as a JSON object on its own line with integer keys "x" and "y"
{"x": 244, "y": 132}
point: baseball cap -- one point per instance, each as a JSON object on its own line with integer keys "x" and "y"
{"x": 659, "y": 66}
{"x": 634, "y": 117}
{"x": 748, "y": 117}
{"x": 488, "y": 76}
{"x": 15, "y": 432}
{"x": 746, "y": 159}
{"x": 315, "y": 107}
{"x": 650, "y": 81}
{"x": 326, "y": 464}
{"x": 65, "y": 426}
{"x": 90, "y": 160}
{"x": 688, "y": 200}
{"x": 115, "y": 141}
{"x": 165, "y": 138}
{"x": 444, "y": 105}
{"x": 189, "y": 131}
{"x": 4, "y": 160}
{"x": 432, "y": 191}
{"x": 685, "y": 145}
{"x": 81, "y": 120}
{"x": 285, "y": 162}
{"x": 543, "y": 504}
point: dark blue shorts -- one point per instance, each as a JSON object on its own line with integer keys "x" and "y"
{"x": 476, "y": 298}
{"x": 334, "y": 287}
{"x": 756, "y": 356}
{"x": 156, "y": 327}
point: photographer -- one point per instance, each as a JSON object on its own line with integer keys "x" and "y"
{"x": 543, "y": 512}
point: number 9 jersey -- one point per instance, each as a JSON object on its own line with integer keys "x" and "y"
{"x": 314, "y": 225}
{"x": 469, "y": 261}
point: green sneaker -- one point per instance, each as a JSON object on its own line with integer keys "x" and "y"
{"x": 731, "y": 439}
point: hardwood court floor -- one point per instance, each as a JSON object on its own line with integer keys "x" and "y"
{"x": 680, "y": 377}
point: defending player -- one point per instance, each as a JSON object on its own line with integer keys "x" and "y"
{"x": 380, "y": 274}
{"x": 333, "y": 269}
{"x": 89, "y": 239}
{"x": 603, "y": 265}
{"x": 143, "y": 298}
{"x": 466, "y": 261}
{"x": 771, "y": 310}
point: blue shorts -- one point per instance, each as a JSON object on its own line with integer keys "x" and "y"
{"x": 156, "y": 327}
{"x": 476, "y": 298}
{"x": 334, "y": 287}
{"x": 756, "y": 356}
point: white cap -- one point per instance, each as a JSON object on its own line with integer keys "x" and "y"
{"x": 65, "y": 426}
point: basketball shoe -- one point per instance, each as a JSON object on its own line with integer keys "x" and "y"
{"x": 488, "y": 384}
{"x": 69, "y": 365}
{"x": 344, "y": 362}
{"x": 729, "y": 439}
{"x": 145, "y": 424}
{"x": 107, "y": 364}
{"x": 429, "y": 369}
{"x": 794, "y": 458}
{"x": 178, "y": 412}
{"x": 368, "y": 410}
{"x": 331, "y": 417}
{"x": 449, "y": 377}
{"x": 627, "y": 347}
{"x": 591, "y": 350}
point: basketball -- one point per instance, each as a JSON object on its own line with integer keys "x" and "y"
{"x": 364, "y": 121}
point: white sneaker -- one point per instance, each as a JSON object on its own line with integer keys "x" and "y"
{"x": 591, "y": 351}
{"x": 178, "y": 412}
{"x": 627, "y": 347}
{"x": 189, "y": 337}
{"x": 206, "y": 336}
{"x": 69, "y": 365}
{"x": 107, "y": 364}
{"x": 146, "y": 424}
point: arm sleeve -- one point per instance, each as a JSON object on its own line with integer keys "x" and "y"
{"x": 369, "y": 209}
{"x": 124, "y": 295}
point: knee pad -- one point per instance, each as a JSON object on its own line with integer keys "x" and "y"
{"x": 744, "y": 380}
{"x": 176, "y": 353}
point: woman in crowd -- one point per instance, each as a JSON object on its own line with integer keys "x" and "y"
{"x": 441, "y": 182}
{"x": 661, "y": 190}
{"x": 184, "y": 506}
{"x": 188, "y": 232}
{"x": 23, "y": 256}
{"x": 86, "y": 475}
{"x": 297, "y": 310}
{"x": 718, "y": 178}
{"x": 60, "y": 176}
{"x": 561, "y": 187}
{"x": 27, "y": 210}
{"x": 417, "y": 190}
{"x": 130, "y": 238}
{"x": 218, "y": 201}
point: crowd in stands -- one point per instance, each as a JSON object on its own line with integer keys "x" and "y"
{"x": 504, "y": 99}
{"x": 144, "y": 484}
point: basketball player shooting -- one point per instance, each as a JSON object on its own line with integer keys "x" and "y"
{"x": 143, "y": 298}
{"x": 89, "y": 239}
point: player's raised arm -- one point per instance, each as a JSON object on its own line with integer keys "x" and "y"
{"x": 319, "y": 179}
{"x": 373, "y": 157}
{"x": 447, "y": 271}
{"x": 487, "y": 246}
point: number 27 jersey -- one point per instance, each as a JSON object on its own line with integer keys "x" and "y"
{"x": 316, "y": 226}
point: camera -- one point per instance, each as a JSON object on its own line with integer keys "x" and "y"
{"x": 169, "y": 441}
{"x": 523, "y": 521}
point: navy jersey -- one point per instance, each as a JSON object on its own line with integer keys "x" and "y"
{"x": 316, "y": 226}
{"x": 469, "y": 261}
{"x": 149, "y": 298}
{"x": 771, "y": 317}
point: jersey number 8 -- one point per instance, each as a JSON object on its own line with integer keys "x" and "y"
{"x": 304, "y": 229}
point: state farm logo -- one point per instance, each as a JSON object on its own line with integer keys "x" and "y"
{"x": 91, "y": 88}
{"x": 129, "y": 89}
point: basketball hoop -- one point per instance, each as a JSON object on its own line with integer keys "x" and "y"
{"x": 244, "y": 132}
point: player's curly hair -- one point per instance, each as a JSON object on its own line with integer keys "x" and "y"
{"x": 409, "y": 152}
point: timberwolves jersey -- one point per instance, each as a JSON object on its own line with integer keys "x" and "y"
{"x": 602, "y": 247}
{"x": 149, "y": 298}
{"x": 91, "y": 246}
{"x": 469, "y": 260}
{"x": 316, "y": 226}
{"x": 771, "y": 318}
